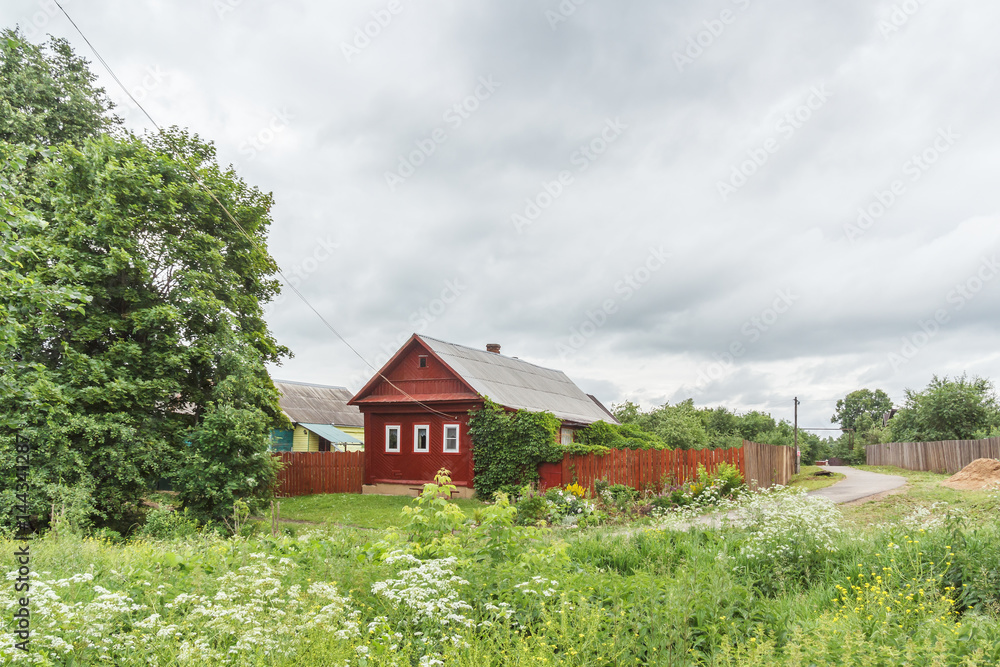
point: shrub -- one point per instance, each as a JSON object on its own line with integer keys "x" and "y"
{"x": 532, "y": 508}
{"x": 165, "y": 524}
{"x": 612, "y": 436}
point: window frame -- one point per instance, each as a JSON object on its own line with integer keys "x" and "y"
{"x": 427, "y": 443}
{"x": 399, "y": 444}
{"x": 458, "y": 439}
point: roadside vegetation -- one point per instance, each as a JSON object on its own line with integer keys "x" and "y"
{"x": 810, "y": 478}
{"x": 787, "y": 579}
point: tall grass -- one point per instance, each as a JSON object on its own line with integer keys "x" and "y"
{"x": 889, "y": 595}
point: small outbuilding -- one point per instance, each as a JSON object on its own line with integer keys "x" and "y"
{"x": 416, "y": 409}
{"x": 321, "y": 417}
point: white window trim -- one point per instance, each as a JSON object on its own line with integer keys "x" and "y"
{"x": 416, "y": 439}
{"x": 458, "y": 433}
{"x": 388, "y": 429}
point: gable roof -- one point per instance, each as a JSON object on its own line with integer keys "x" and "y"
{"x": 518, "y": 384}
{"x": 306, "y": 403}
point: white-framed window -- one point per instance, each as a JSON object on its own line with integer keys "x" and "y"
{"x": 421, "y": 438}
{"x": 451, "y": 438}
{"x": 392, "y": 438}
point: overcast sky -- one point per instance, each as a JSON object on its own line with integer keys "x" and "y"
{"x": 737, "y": 201}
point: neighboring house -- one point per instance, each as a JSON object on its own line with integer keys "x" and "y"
{"x": 322, "y": 419}
{"x": 416, "y": 409}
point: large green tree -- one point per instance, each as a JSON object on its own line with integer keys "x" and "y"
{"x": 959, "y": 409}
{"x": 154, "y": 307}
{"x": 677, "y": 426}
{"x": 48, "y": 95}
{"x": 858, "y": 403}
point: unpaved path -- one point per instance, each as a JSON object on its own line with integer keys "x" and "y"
{"x": 858, "y": 484}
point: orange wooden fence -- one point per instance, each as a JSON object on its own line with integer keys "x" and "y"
{"x": 305, "y": 473}
{"x": 766, "y": 465}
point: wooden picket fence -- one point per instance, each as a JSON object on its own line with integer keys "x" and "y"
{"x": 762, "y": 465}
{"x": 305, "y": 473}
{"x": 943, "y": 456}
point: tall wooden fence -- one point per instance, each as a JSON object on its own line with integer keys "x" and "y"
{"x": 943, "y": 456}
{"x": 305, "y": 473}
{"x": 767, "y": 465}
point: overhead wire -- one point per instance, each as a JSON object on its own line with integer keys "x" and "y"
{"x": 232, "y": 218}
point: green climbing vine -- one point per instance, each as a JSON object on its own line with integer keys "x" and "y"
{"x": 508, "y": 446}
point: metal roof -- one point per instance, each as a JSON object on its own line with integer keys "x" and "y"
{"x": 332, "y": 433}
{"x": 318, "y": 404}
{"x": 518, "y": 384}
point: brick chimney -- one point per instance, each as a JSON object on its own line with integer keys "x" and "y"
{"x": 493, "y": 347}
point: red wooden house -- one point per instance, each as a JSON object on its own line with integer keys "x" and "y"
{"x": 416, "y": 409}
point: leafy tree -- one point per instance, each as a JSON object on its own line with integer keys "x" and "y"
{"x": 754, "y": 424}
{"x": 677, "y": 426}
{"x": 683, "y": 426}
{"x": 47, "y": 94}
{"x": 959, "y": 409}
{"x": 139, "y": 291}
{"x": 861, "y": 402}
{"x": 226, "y": 458}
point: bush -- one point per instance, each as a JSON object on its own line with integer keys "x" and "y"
{"x": 605, "y": 436}
{"x": 165, "y": 524}
{"x": 532, "y": 508}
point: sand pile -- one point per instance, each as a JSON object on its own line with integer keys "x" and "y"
{"x": 980, "y": 474}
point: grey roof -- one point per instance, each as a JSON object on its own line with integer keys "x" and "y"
{"x": 318, "y": 404}
{"x": 519, "y": 384}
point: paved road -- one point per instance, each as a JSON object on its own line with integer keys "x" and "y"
{"x": 859, "y": 484}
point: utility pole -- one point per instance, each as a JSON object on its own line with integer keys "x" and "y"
{"x": 797, "y": 457}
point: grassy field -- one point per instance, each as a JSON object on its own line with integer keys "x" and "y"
{"x": 793, "y": 580}
{"x": 357, "y": 510}
{"x": 922, "y": 494}
{"x": 808, "y": 480}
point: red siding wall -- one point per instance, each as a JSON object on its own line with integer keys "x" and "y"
{"x": 409, "y": 466}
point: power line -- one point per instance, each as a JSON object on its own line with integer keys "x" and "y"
{"x": 253, "y": 242}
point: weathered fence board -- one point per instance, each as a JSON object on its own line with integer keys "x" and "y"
{"x": 944, "y": 456}
{"x": 306, "y": 473}
{"x": 762, "y": 466}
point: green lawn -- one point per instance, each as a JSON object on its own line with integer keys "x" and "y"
{"x": 353, "y": 509}
{"x": 808, "y": 480}
{"x": 923, "y": 492}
